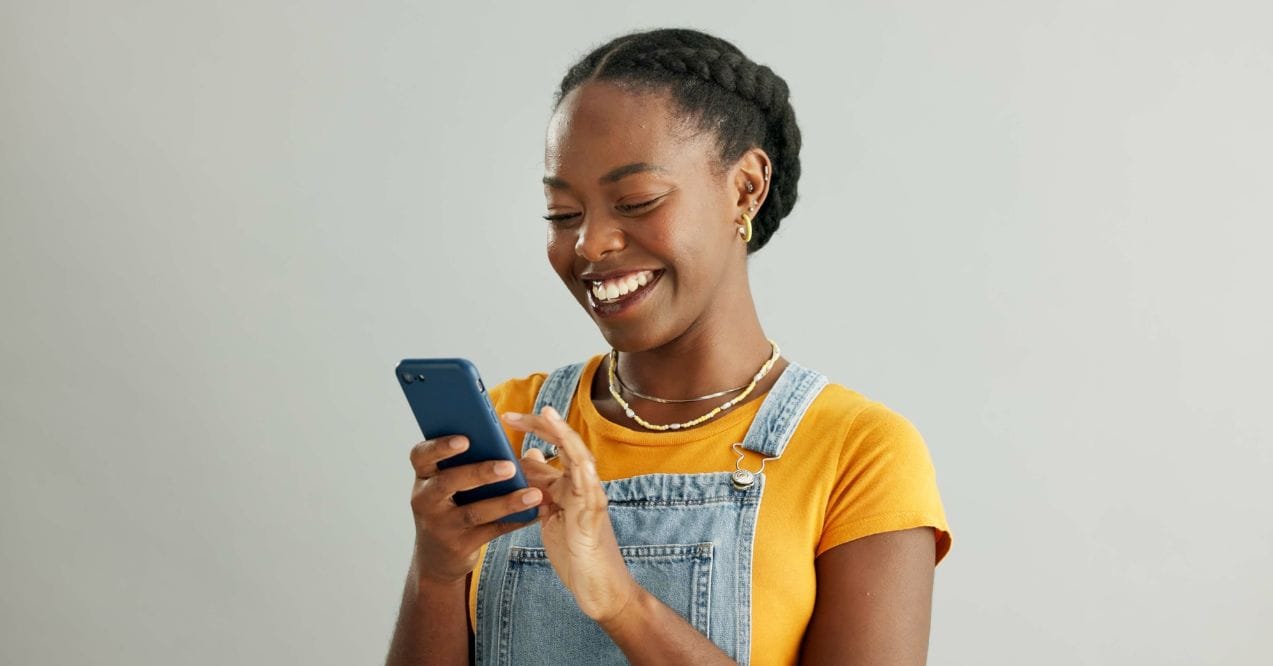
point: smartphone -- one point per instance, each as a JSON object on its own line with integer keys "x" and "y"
{"x": 448, "y": 397}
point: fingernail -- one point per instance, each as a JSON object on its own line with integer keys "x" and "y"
{"x": 530, "y": 496}
{"x": 551, "y": 414}
{"x": 456, "y": 443}
{"x": 511, "y": 416}
{"x": 503, "y": 468}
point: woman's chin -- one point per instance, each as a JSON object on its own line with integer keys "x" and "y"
{"x": 631, "y": 337}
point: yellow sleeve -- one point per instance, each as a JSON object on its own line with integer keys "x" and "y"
{"x": 516, "y": 395}
{"x": 885, "y": 482}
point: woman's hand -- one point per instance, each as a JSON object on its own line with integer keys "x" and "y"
{"x": 448, "y": 536}
{"x": 575, "y": 522}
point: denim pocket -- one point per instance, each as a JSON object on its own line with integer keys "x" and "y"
{"x": 550, "y": 628}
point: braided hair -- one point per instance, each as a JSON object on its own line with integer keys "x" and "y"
{"x": 716, "y": 88}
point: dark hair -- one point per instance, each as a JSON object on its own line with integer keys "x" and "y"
{"x": 718, "y": 89}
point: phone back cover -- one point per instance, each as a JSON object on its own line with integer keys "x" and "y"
{"x": 451, "y": 400}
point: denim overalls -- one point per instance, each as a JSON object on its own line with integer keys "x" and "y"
{"x": 686, "y": 538}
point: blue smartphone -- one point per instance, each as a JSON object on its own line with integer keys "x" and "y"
{"x": 448, "y": 398}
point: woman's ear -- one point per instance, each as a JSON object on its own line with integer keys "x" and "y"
{"x": 751, "y": 177}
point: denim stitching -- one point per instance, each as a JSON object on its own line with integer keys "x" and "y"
{"x": 703, "y": 601}
{"x": 743, "y": 583}
{"x": 508, "y": 595}
{"x": 650, "y": 552}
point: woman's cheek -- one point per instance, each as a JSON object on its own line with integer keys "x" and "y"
{"x": 660, "y": 229}
{"x": 560, "y": 249}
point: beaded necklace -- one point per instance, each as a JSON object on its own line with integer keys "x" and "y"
{"x": 627, "y": 409}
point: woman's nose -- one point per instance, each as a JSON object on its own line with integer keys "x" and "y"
{"x": 598, "y": 236}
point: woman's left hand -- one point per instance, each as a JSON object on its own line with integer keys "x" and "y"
{"x": 575, "y": 522}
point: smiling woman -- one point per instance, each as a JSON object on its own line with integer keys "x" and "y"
{"x": 703, "y": 498}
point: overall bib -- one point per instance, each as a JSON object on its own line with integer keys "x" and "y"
{"x": 686, "y": 538}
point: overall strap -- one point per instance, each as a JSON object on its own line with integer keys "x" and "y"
{"x": 782, "y": 410}
{"x": 558, "y": 390}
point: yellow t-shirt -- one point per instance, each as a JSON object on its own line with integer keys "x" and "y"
{"x": 852, "y": 468}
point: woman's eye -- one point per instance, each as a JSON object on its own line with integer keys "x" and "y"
{"x": 558, "y": 218}
{"x": 627, "y": 208}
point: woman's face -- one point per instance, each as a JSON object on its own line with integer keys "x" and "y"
{"x": 645, "y": 235}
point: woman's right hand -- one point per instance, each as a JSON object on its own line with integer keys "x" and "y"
{"x": 449, "y": 536}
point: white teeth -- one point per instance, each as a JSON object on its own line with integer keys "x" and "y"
{"x": 621, "y": 286}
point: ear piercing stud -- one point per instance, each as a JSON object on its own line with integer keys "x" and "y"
{"x": 752, "y": 188}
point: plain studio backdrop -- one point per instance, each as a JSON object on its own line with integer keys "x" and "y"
{"x": 1040, "y": 230}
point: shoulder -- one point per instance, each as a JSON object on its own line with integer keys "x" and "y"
{"x": 861, "y": 422}
{"x": 843, "y": 414}
{"x": 517, "y": 394}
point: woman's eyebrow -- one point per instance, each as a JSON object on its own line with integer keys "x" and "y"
{"x": 612, "y": 176}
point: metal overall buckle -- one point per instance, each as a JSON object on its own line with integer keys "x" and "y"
{"x": 744, "y": 479}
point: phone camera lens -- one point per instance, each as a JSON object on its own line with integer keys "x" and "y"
{"x": 406, "y": 377}
{"x": 420, "y": 377}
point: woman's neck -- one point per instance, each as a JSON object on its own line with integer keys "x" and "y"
{"x": 711, "y": 356}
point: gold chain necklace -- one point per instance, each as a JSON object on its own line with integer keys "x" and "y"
{"x": 668, "y": 401}
{"x": 627, "y": 409}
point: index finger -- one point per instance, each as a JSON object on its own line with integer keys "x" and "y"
{"x": 571, "y": 445}
{"x": 549, "y": 426}
{"x": 425, "y": 455}
{"x": 539, "y": 473}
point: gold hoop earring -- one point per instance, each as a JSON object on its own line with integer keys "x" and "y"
{"x": 745, "y": 230}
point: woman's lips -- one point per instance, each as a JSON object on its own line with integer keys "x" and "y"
{"x": 621, "y": 303}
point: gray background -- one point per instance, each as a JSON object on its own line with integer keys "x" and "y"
{"x": 1038, "y": 229}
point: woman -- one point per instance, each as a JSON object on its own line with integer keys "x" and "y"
{"x": 702, "y": 499}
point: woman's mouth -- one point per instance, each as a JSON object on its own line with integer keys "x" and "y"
{"x": 617, "y": 294}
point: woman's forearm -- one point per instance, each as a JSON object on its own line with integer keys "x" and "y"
{"x": 650, "y": 632}
{"x": 432, "y": 627}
